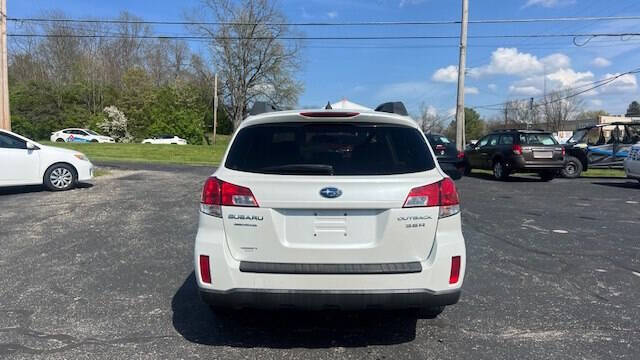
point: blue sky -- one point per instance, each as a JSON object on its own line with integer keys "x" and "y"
{"x": 423, "y": 72}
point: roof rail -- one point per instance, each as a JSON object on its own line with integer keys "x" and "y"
{"x": 396, "y": 107}
{"x": 261, "y": 107}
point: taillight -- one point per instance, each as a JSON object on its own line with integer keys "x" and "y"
{"x": 216, "y": 193}
{"x": 455, "y": 270}
{"x": 517, "y": 149}
{"x": 564, "y": 151}
{"x": 442, "y": 194}
{"x": 460, "y": 155}
{"x": 205, "y": 270}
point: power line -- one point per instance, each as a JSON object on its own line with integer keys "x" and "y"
{"x": 354, "y": 23}
{"x": 596, "y": 84}
{"x": 391, "y": 37}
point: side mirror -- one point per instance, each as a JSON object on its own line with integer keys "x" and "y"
{"x": 32, "y": 146}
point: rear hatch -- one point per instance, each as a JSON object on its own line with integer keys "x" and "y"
{"x": 329, "y": 193}
{"x": 540, "y": 148}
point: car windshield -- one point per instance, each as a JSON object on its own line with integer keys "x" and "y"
{"x": 537, "y": 139}
{"x": 577, "y": 136}
{"x": 329, "y": 149}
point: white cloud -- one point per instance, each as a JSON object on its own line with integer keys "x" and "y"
{"x": 624, "y": 84}
{"x": 524, "y": 90}
{"x": 556, "y": 61}
{"x": 447, "y": 74}
{"x": 470, "y": 90}
{"x": 492, "y": 87}
{"x": 509, "y": 61}
{"x": 404, "y": 3}
{"x": 596, "y": 102}
{"x": 549, "y": 3}
{"x": 431, "y": 110}
{"x": 451, "y": 112}
{"x": 601, "y": 62}
{"x": 332, "y": 14}
{"x": 569, "y": 78}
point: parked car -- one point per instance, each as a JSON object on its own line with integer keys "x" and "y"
{"x": 165, "y": 139}
{"x": 510, "y": 151}
{"x": 80, "y": 135}
{"x": 447, "y": 154}
{"x": 600, "y": 146}
{"x": 26, "y": 162}
{"x": 632, "y": 163}
{"x": 329, "y": 209}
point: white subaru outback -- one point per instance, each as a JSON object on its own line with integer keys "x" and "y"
{"x": 330, "y": 209}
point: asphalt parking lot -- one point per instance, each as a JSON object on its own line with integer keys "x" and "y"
{"x": 106, "y": 271}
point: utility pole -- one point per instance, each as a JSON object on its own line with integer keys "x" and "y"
{"x": 215, "y": 107}
{"x": 460, "y": 133}
{"x": 5, "y": 120}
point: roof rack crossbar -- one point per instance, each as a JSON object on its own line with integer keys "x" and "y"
{"x": 261, "y": 107}
{"x": 396, "y": 107}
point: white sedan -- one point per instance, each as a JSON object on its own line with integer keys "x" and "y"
{"x": 26, "y": 162}
{"x": 165, "y": 139}
{"x": 80, "y": 135}
{"x": 632, "y": 163}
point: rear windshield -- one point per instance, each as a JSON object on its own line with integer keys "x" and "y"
{"x": 329, "y": 149}
{"x": 439, "y": 139}
{"x": 537, "y": 139}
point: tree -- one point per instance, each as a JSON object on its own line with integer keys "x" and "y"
{"x": 474, "y": 126}
{"x": 115, "y": 125}
{"x": 558, "y": 107}
{"x": 430, "y": 121}
{"x": 633, "y": 109}
{"x": 248, "y": 51}
{"x": 591, "y": 115}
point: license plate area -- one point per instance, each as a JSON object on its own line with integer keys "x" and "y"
{"x": 330, "y": 228}
{"x": 543, "y": 154}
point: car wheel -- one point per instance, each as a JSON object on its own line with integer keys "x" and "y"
{"x": 499, "y": 170}
{"x": 94, "y": 141}
{"x": 467, "y": 170}
{"x": 60, "y": 177}
{"x": 572, "y": 168}
{"x": 547, "y": 175}
{"x": 59, "y": 140}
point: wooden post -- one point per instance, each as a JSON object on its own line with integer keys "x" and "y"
{"x": 5, "y": 120}
{"x": 215, "y": 107}
{"x": 460, "y": 128}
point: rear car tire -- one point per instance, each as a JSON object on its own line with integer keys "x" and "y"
{"x": 60, "y": 177}
{"x": 500, "y": 171}
{"x": 467, "y": 170}
{"x": 547, "y": 175}
{"x": 572, "y": 167}
{"x": 94, "y": 141}
{"x": 59, "y": 140}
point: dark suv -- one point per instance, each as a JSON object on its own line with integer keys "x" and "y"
{"x": 600, "y": 146}
{"x": 510, "y": 151}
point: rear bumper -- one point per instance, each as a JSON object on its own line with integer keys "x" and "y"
{"x": 520, "y": 163}
{"x": 328, "y": 299}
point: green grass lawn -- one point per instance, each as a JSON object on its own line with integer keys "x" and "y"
{"x": 168, "y": 154}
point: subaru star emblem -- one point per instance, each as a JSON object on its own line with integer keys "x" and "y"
{"x": 330, "y": 192}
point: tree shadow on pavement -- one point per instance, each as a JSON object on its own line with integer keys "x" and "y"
{"x": 625, "y": 185}
{"x": 512, "y": 178}
{"x": 14, "y": 190}
{"x": 286, "y": 329}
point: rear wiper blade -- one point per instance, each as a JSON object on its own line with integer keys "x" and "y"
{"x": 320, "y": 169}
